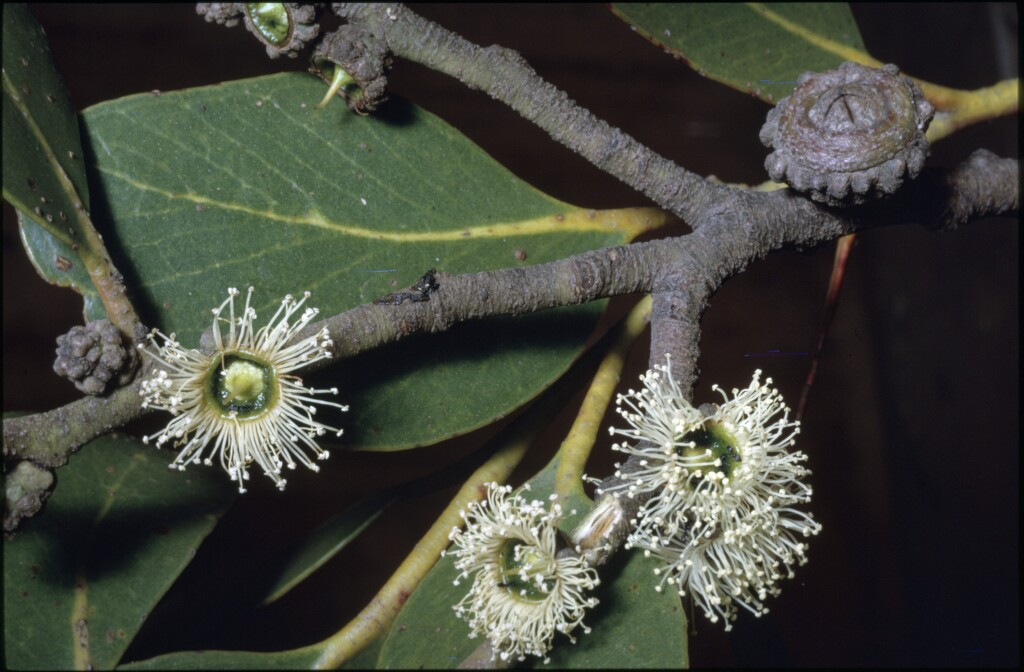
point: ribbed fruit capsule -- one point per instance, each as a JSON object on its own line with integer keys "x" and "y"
{"x": 848, "y": 135}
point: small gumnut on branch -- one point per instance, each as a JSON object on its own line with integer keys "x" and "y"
{"x": 284, "y": 28}
{"x": 849, "y": 135}
{"x": 94, "y": 355}
{"x": 355, "y": 64}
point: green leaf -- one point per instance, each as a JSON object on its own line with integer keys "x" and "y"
{"x": 44, "y": 171}
{"x": 757, "y": 48}
{"x": 296, "y": 659}
{"x": 248, "y": 183}
{"x": 58, "y": 263}
{"x": 367, "y": 657}
{"x": 339, "y": 530}
{"x": 634, "y": 626}
{"x": 426, "y": 632}
{"x": 327, "y": 540}
{"x": 334, "y": 534}
{"x": 81, "y": 577}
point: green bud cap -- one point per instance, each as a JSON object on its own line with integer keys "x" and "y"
{"x": 336, "y": 76}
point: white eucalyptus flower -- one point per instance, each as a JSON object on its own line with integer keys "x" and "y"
{"x": 722, "y": 488}
{"x": 242, "y": 401}
{"x": 525, "y": 589}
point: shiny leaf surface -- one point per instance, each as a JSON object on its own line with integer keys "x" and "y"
{"x": 757, "y": 48}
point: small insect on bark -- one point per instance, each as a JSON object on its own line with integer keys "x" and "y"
{"x": 422, "y": 290}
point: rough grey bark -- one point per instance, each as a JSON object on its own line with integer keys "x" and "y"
{"x": 682, "y": 273}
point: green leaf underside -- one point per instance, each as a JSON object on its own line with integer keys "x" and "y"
{"x": 80, "y": 580}
{"x": 40, "y": 136}
{"x": 247, "y": 183}
{"x": 633, "y": 627}
{"x": 756, "y": 48}
{"x": 57, "y": 263}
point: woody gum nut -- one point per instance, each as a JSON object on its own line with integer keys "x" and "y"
{"x": 849, "y": 135}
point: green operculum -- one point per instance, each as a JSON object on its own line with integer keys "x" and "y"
{"x": 712, "y": 436}
{"x": 272, "y": 21}
{"x": 336, "y": 76}
{"x": 525, "y": 571}
{"x": 242, "y": 384}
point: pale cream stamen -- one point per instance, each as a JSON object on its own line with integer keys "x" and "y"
{"x": 727, "y": 535}
{"x": 275, "y": 436}
{"x": 548, "y": 593}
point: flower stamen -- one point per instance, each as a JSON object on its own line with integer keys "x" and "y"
{"x": 243, "y": 400}
{"x": 525, "y": 588}
{"x": 720, "y": 487}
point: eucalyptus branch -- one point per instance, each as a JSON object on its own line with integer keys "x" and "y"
{"x": 507, "y": 77}
{"x": 982, "y": 186}
{"x": 681, "y": 273}
{"x": 107, "y": 279}
{"x": 49, "y": 438}
{"x": 682, "y": 295}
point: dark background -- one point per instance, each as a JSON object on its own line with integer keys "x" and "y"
{"x": 912, "y": 428}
